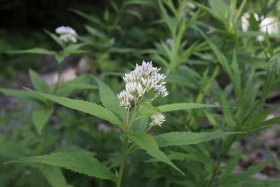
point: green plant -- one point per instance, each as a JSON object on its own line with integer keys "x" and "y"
{"x": 205, "y": 57}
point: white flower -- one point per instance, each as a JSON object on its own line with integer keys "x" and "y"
{"x": 161, "y": 91}
{"x": 157, "y": 119}
{"x": 125, "y": 99}
{"x": 67, "y": 34}
{"x": 135, "y": 89}
{"x": 144, "y": 78}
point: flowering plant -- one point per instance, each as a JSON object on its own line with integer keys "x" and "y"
{"x": 127, "y": 110}
{"x": 158, "y": 117}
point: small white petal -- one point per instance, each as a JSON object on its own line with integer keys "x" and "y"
{"x": 157, "y": 119}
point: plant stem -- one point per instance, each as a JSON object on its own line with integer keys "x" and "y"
{"x": 45, "y": 139}
{"x": 221, "y": 159}
{"x": 123, "y": 162}
{"x": 58, "y": 79}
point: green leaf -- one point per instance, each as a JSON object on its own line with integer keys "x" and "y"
{"x": 38, "y": 83}
{"x": 95, "y": 32}
{"x": 188, "y": 138}
{"x": 123, "y": 50}
{"x": 106, "y": 15}
{"x": 244, "y": 176}
{"x": 268, "y": 44}
{"x": 219, "y": 9}
{"x": 91, "y": 18}
{"x": 59, "y": 58}
{"x": 134, "y": 13}
{"x": 22, "y": 95}
{"x": 55, "y": 38}
{"x": 148, "y": 143}
{"x": 53, "y": 175}
{"x": 77, "y": 161}
{"x": 84, "y": 106}
{"x": 109, "y": 99}
{"x": 273, "y": 158}
{"x": 40, "y": 117}
{"x": 82, "y": 82}
{"x": 229, "y": 168}
{"x": 183, "y": 106}
{"x": 33, "y": 51}
{"x": 73, "y": 48}
{"x": 181, "y": 80}
{"x": 267, "y": 123}
{"x": 138, "y": 2}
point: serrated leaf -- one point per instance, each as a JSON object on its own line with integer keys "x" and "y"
{"x": 84, "y": 106}
{"x": 38, "y": 83}
{"x": 109, "y": 99}
{"x": 148, "y": 143}
{"x": 78, "y": 161}
{"x": 183, "y": 106}
{"x": 33, "y": 51}
{"x": 40, "y": 117}
{"x": 188, "y": 138}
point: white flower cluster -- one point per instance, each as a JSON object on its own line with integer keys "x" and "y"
{"x": 157, "y": 119}
{"x": 67, "y": 34}
{"x": 145, "y": 78}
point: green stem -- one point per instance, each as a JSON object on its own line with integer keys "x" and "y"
{"x": 228, "y": 146}
{"x": 130, "y": 124}
{"x": 45, "y": 140}
{"x": 123, "y": 162}
{"x": 58, "y": 79}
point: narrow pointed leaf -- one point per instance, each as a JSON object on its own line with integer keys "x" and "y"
{"x": 38, "y": 83}
{"x": 33, "y": 51}
{"x": 188, "y": 138}
{"x": 109, "y": 99}
{"x": 148, "y": 143}
{"x": 78, "y": 161}
{"x": 84, "y": 106}
{"x": 183, "y": 106}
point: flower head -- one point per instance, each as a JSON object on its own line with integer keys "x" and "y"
{"x": 144, "y": 78}
{"x": 157, "y": 119}
{"x": 67, "y": 34}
